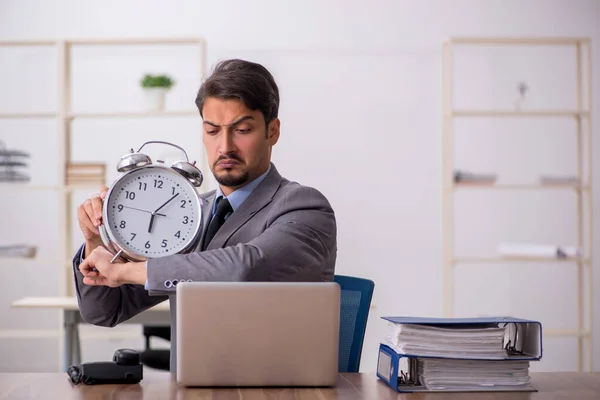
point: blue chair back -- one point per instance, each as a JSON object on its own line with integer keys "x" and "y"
{"x": 355, "y": 302}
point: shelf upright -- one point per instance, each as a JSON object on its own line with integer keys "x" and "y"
{"x": 582, "y": 190}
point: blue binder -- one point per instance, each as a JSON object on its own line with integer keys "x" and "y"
{"x": 524, "y": 344}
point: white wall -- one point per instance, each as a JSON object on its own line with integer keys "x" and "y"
{"x": 361, "y": 120}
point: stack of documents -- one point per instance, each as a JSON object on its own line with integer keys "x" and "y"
{"x": 448, "y": 374}
{"x": 459, "y": 354}
{"x": 458, "y": 342}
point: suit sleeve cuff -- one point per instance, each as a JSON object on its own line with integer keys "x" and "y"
{"x": 81, "y": 253}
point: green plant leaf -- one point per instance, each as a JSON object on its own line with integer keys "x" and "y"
{"x": 154, "y": 81}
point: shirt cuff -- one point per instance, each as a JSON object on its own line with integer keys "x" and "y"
{"x": 146, "y": 284}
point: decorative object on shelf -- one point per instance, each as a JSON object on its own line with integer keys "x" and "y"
{"x": 521, "y": 101}
{"x": 152, "y": 210}
{"x": 155, "y": 90}
{"x": 475, "y": 178}
{"x": 85, "y": 174}
{"x": 18, "y": 250}
{"x": 9, "y": 160}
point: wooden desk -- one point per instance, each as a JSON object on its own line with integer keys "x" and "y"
{"x": 158, "y": 315}
{"x": 158, "y": 385}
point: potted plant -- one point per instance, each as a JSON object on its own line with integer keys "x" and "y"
{"x": 155, "y": 89}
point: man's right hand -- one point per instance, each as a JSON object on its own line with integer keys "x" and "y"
{"x": 89, "y": 214}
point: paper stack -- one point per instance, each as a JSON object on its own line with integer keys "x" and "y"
{"x": 442, "y": 374}
{"x": 457, "y": 342}
{"x": 470, "y": 354}
{"x": 85, "y": 173}
{"x": 17, "y": 250}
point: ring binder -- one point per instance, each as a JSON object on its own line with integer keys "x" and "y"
{"x": 406, "y": 372}
{"x": 511, "y": 344}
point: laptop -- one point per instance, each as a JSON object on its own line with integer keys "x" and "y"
{"x": 261, "y": 334}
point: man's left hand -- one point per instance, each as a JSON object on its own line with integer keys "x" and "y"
{"x": 106, "y": 274}
{"x": 112, "y": 275}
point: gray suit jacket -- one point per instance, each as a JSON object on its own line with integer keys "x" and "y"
{"x": 282, "y": 232}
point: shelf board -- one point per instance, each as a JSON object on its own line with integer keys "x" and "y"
{"x": 27, "y": 115}
{"x": 72, "y": 188}
{"x": 541, "y": 41}
{"x": 134, "y": 41}
{"x": 13, "y": 262}
{"x": 511, "y": 113}
{"x": 502, "y": 260}
{"x": 519, "y": 186}
{"x": 135, "y": 114}
{"x": 6, "y": 186}
{"x": 18, "y": 43}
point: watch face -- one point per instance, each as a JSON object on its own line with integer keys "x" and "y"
{"x": 152, "y": 212}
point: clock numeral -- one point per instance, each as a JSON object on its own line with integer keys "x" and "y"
{"x": 185, "y": 219}
{"x": 173, "y": 192}
{"x": 143, "y": 186}
{"x": 133, "y": 235}
{"x": 164, "y": 243}
{"x": 178, "y": 234}
{"x": 122, "y": 224}
{"x": 129, "y": 195}
{"x": 120, "y": 207}
{"x": 158, "y": 184}
{"x": 183, "y": 203}
{"x": 147, "y": 245}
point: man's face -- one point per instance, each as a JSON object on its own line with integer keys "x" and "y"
{"x": 238, "y": 143}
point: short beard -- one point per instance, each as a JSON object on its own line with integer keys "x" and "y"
{"x": 229, "y": 180}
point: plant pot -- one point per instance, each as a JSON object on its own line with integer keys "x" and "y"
{"x": 155, "y": 98}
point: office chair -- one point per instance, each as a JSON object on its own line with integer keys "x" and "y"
{"x": 355, "y": 302}
{"x": 156, "y": 358}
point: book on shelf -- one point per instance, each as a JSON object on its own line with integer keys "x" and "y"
{"x": 17, "y": 251}
{"x": 13, "y": 176}
{"x": 85, "y": 174}
{"x": 474, "y": 178}
{"x": 10, "y": 162}
{"x": 459, "y": 354}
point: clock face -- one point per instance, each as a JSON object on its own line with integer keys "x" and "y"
{"x": 152, "y": 212}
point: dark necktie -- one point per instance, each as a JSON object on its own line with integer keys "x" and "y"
{"x": 223, "y": 208}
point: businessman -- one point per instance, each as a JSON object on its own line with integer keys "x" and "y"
{"x": 257, "y": 225}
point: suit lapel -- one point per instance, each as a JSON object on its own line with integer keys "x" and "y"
{"x": 258, "y": 199}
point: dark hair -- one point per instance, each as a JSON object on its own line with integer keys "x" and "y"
{"x": 246, "y": 81}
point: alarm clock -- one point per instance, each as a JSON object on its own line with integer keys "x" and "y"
{"x": 152, "y": 210}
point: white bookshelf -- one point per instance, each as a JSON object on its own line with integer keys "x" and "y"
{"x": 581, "y": 114}
{"x": 64, "y": 116}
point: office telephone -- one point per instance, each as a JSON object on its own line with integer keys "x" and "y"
{"x": 124, "y": 368}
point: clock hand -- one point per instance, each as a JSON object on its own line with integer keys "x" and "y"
{"x": 156, "y": 212}
{"x": 151, "y": 222}
{"x": 166, "y": 202}
{"x": 139, "y": 209}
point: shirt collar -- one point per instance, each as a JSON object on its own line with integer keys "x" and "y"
{"x": 238, "y": 196}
